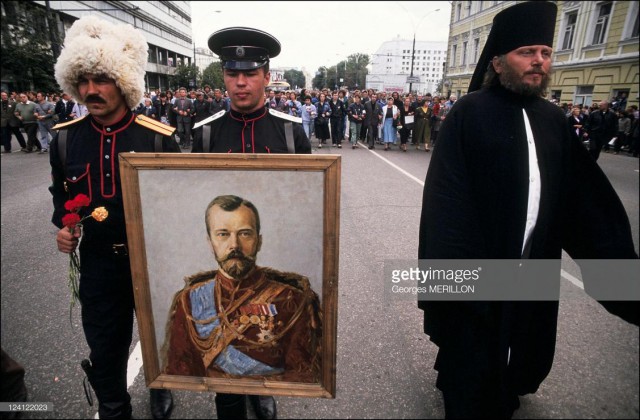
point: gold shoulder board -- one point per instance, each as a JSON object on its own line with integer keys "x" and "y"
{"x": 68, "y": 123}
{"x": 157, "y": 126}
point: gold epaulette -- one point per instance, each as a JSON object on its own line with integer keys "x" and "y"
{"x": 157, "y": 126}
{"x": 68, "y": 123}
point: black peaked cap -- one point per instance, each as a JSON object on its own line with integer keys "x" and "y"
{"x": 241, "y": 48}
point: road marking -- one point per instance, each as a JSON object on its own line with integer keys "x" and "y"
{"x": 566, "y": 275}
{"x": 134, "y": 365}
{"x": 572, "y": 279}
{"x": 392, "y": 164}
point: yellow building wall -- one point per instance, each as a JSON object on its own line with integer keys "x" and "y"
{"x": 604, "y": 79}
{"x": 604, "y": 67}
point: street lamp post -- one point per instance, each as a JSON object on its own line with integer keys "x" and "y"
{"x": 195, "y": 66}
{"x": 343, "y": 79}
{"x": 413, "y": 49}
{"x": 356, "y": 71}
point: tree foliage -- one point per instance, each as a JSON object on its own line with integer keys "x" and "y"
{"x": 352, "y": 71}
{"x": 212, "y": 76}
{"x": 27, "y": 57}
{"x": 295, "y": 78}
{"x": 185, "y": 76}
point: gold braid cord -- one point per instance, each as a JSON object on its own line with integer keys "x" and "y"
{"x": 211, "y": 346}
{"x": 222, "y": 335}
{"x": 264, "y": 297}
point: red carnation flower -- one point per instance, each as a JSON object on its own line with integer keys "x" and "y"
{"x": 82, "y": 200}
{"x": 70, "y": 220}
{"x": 77, "y": 203}
{"x": 70, "y": 205}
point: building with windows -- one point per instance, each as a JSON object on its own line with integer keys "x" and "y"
{"x": 595, "y": 48}
{"x": 391, "y": 66}
{"x": 165, "y": 24}
{"x": 596, "y": 52}
{"x": 204, "y": 58}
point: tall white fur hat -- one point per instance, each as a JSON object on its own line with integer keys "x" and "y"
{"x": 96, "y": 46}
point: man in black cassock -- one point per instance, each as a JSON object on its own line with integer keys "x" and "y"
{"x": 508, "y": 182}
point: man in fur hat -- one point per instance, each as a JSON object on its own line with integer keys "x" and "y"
{"x": 507, "y": 181}
{"x": 103, "y": 67}
{"x": 242, "y": 320}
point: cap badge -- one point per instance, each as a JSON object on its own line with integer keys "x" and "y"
{"x": 240, "y": 52}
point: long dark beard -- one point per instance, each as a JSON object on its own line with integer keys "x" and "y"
{"x": 511, "y": 80}
{"x": 240, "y": 267}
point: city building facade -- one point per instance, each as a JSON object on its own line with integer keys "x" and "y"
{"x": 391, "y": 66}
{"x": 204, "y": 58}
{"x": 165, "y": 24}
{"x": 595, "y": 48}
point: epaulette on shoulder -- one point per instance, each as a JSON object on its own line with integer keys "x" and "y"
{"x": 200, "y": 277}
{"x": 285, "y": 116}
{"x": 154, "y": 125}
{"x": 209, "y": 119}
{"x": 68, "y": 123}
{"x": 292, "y": 279}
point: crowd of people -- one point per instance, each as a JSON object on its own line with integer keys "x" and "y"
{"x": 373, "y": 117}
{"x": 384, "y": 118}
{"x": 604, "y": 125}
{"x": 35, "y": 113}
{"x": 389, "y": 118}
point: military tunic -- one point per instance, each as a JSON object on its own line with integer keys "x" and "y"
{"x": 91, "y": 167}
{"x": 257, "y": 132}
{"x": 276, "y": 314}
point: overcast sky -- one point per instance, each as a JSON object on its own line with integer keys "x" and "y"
{"x": 323, "y": 33}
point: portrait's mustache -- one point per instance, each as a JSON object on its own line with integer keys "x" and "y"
{"x": 94, "y": 99}
{"x": 239, "y": 255}
{"x": 540, "y": 72}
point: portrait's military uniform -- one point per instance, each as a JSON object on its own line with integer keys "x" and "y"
{"x": 270, "y": 325}
{"x": 87, "y": 163}
{"x": 262, "y": 131}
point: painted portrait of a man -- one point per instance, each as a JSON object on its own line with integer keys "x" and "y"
{"x": 242, "y": 320}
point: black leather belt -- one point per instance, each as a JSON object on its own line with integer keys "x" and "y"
{"x": 121, "y": 250}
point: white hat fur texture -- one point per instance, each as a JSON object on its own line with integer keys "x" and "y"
{"x": 96, "y": 46}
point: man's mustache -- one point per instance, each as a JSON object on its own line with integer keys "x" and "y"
{"x": 238, "y": 255}
{"x": 540, "y": 72}
{"x": 94, "y": 99}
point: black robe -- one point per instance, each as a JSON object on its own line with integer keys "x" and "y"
{"x": 475, "y": 207}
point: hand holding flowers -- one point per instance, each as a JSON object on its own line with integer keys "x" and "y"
{"x": 68, "y": 240}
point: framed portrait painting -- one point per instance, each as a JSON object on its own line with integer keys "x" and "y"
{"x": 234, "y": 260}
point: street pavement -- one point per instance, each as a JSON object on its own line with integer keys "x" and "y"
{"x": 384, "y": 361}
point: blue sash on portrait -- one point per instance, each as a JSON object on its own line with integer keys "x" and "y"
{"x": 230, "y": 360}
